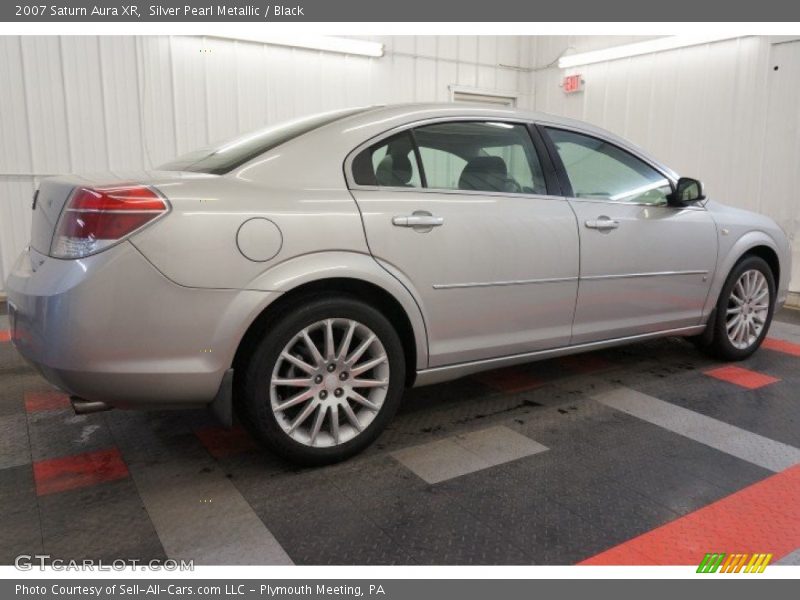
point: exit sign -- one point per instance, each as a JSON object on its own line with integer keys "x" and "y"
{"x": 572, "y": 84}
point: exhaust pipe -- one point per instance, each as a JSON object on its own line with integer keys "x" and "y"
{"x": 85, "y": 407}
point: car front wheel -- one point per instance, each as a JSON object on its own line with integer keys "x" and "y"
{"x": 324, "y": 381}
{"x": 744, "y": 310}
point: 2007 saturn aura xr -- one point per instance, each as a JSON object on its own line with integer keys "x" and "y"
{"x": 305, "y": 274}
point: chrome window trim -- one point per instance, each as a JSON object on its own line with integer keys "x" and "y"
{"x": 378, "y": 188}
{"x": 352, "y": 185}
{"x": 348, "y": 161}
{"x": 697, "y": 206}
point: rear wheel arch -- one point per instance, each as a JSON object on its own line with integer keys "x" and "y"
{"x": 368, "y": 292}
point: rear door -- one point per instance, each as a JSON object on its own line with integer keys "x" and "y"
{"x": 645, "y": 266}
{"x": 461, "y": 211}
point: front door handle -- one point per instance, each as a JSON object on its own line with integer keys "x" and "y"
{"x": 602, "y": 223}
{"x": 419, "y": 220}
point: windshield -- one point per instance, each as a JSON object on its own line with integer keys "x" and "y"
{"x": 222, "y": 158}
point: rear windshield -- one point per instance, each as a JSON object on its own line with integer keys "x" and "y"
{"x": 222, "y": 158}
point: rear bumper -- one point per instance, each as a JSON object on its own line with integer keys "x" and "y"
{"x": 113, "y": 329}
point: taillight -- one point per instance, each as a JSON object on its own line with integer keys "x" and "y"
{"x": 96, "y": 218}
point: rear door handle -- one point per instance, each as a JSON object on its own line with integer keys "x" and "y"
{"x": 602, "y": 223}
{"x": 418, "y": 219}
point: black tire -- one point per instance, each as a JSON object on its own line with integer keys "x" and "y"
{"x": 253, "y": 397}
{"x": 718, "y": 344}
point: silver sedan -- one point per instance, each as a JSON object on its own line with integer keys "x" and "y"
{"x": 303, "y": 275}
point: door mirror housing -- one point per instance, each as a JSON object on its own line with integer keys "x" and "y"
{"x": 687, "y": 191}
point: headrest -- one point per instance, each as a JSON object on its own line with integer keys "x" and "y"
{"x": 484, "y": 173}
{"x": 394, "y": 171}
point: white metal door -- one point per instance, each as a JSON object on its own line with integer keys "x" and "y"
{"x": 780, "y": 174}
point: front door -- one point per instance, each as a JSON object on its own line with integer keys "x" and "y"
{"x": 645, "y": 266}
{"x": 461, "y": 212}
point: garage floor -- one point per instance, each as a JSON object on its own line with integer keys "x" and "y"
{"x": 648, "y": 454}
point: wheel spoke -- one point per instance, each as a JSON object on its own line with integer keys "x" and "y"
{"x": 318, "y": 358}
{"x": 736, "y": 320}
{"x": 303, "y": 416}
{"x": 368, "y": 383}
{"x": 330, "y": 350}
{"x": 297, "y": 362}
{"x": 346, "y": 340}
{"x": 734, "y": 311}
{"x": 351, "y": 416}
{"x": 358, "y": 353}
{"x": 295, "y": 400}
{"x": 736, "y": 330}
{"x": 742, "y": 332}
{"x": 366, "y": 366}
{"x": 303, "y": 382}
{"x": 335, "y": 424}
{"x": 323, "y": 410}
{"x": 752, "y": 332}
{"x": 356, "y": 397}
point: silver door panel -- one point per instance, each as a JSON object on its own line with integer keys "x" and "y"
{"x": 650, "y": 272}
{"x": 497, "y": 276}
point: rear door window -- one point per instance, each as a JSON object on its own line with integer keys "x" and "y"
{"x": 480, "y": 156}
{"x": 389, "y": 163}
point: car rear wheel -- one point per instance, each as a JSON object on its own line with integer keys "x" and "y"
{"x": 744, "y": 310}
{"x": 324, "y": 381}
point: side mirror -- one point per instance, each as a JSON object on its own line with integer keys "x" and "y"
{"x": 687, "y": 191}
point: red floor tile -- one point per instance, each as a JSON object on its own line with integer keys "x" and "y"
{"x": 5, "y": 335}
{"x": 222, "y": 443}
{"x": 511, "y": 380}
{"x": 42, "y": 401}
{"x": 763, "y": 518}
{"x": 81, "y": 470}
{"x": 781, "y": 346}
{"x": 742, "y": 377}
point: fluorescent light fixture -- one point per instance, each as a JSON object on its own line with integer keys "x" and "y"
{"x": 646, "y": 47}
{"x": 325, "y": 43}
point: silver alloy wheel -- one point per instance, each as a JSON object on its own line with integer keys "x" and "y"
{"x": 329, "y": 382}
{"x": 748, "y": 307}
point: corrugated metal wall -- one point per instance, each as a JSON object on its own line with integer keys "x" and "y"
{"x": 83, "y": 104}
{"x": 719, "y": 112}
{"x": 88, "y": 104}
